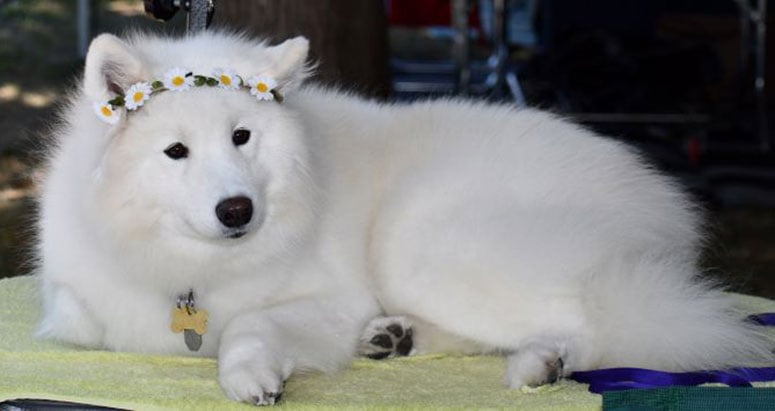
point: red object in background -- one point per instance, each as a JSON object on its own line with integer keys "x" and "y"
{"x": 694, "y": 151}
{"x": 419, "y": 13}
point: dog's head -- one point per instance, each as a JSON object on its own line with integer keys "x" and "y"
{"x": 202, "y": 167}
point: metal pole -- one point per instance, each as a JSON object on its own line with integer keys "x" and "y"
{"x": 84, "y": 15}
{"x": 499, "y": 44}
{"x": 744, "y": 13}
{"x": 760, "y": 19}
{"x": 461, "y": 45}
{"x": 198, "y": 11}
{"x": 756, "y": 14}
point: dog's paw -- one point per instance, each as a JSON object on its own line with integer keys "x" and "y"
{"x": 386, "y": 337}
{"x": 251, "y": 384}
{"x": 267, "y": 398}
{"x": 534, "y": 367}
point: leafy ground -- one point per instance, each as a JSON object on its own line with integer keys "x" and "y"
{"x": 38, "y": 63}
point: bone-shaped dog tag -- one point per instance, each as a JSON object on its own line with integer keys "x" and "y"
{"x": 192, "y": 323}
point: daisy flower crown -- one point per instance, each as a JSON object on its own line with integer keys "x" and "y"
{"x": 264, "y": 88}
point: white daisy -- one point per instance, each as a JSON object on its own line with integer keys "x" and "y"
{"x": 137, "y": 95}
{"x": 175, "y": 79}
{"x": 107, "y": 113}
{"x": 261, "y": 87}
{"x": 227, "y": 78}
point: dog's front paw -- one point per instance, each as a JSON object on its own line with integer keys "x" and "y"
{"x": 534, "y": 367}
{"x": 386, "y": 337}
{"x": 252, "y": 381}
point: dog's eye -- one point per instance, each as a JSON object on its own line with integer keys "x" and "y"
{"x": 240, "y": 137}
{"x": 176, "y": 151}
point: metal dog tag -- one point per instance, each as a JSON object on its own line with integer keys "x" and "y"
{"x": 189, "y": 320}
{"x": 192, "y": 339}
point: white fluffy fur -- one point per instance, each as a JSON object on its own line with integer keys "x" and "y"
{"x": 491, "y": 228}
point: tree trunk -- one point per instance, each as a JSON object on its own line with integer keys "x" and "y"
{"x": 348, "y": 38}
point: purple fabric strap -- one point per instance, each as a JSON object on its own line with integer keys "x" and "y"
{"x": 763, "y": 319}
{"x": 614, "y": 379}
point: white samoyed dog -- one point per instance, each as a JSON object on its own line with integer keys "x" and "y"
{"x": 218, "y": 208}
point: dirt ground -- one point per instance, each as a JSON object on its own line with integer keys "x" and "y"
{"x": 38, "y": 63}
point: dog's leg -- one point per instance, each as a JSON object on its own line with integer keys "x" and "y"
{"x": 261, "y": 349}
{"x": 66, "y": 318}
{"x": 386, "y": 337}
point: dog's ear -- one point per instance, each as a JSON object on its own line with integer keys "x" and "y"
{"x": 289, "y": 62}
{"x": 111, "y": 67}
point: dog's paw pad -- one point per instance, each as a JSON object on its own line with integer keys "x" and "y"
{"x": 387, "y": 337}
{"x": 396, "y": 329}
{"x": 382, "y": 340}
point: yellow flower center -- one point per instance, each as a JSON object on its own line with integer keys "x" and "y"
{"x": 106, "y": 111}
{"x": 225, "y": 80}
{"x": 262, "y": 87}
{"x": 178, "y": 81}
{"x": 138, "y": 96}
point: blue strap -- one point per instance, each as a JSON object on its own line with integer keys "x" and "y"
{"x": 763, "y": 319}
{"x": 615, "y": 379}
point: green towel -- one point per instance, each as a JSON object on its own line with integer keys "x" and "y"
{"x": 31, "y": 368}
{"x": 691, "y": 399}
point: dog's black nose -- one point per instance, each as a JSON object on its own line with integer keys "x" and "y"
{"x": 234, "y": 211}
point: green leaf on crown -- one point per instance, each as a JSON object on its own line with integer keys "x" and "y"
{"x": 117, "y": 101}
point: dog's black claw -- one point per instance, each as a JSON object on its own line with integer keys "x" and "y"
{"x": 269, "y": 398}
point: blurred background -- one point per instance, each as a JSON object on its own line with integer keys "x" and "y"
{"x": 688, "y": 82}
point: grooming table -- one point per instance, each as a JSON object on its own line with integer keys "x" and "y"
{"x": 31, "y": 368}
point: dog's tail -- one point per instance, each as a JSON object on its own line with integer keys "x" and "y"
{"x": 659, "y": 314}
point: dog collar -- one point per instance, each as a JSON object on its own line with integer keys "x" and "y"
{"x": 189, "y": 320}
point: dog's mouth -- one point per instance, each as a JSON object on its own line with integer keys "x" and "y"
{"x": 222, "y": 234}
{"x": 236, "y": 235}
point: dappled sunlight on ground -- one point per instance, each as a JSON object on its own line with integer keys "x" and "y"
{"x": 127, "y": 9}
{"x": 11, "y": 93}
